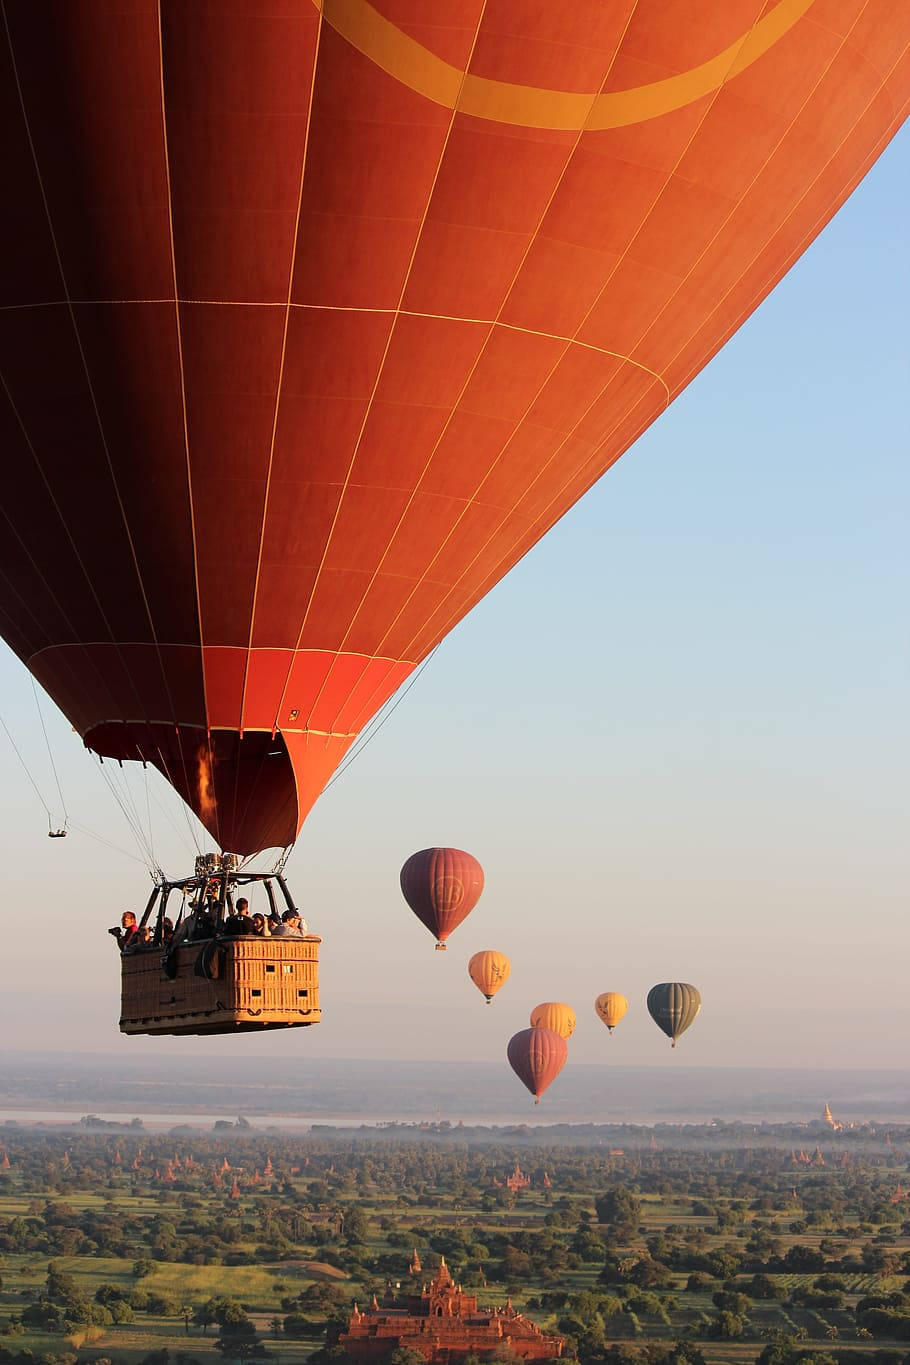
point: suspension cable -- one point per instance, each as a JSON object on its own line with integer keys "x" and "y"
{"x": 25, "y": 768}
{"x": 50, "y": 754}
{"x": 378, "y": 721}
{"x": 369, "y": 734}
{"x": 134, "y": 830}
{"x": 99, "y": 838}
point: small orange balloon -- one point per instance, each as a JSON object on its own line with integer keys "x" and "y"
{"x": 610, "y": 1007}
{"x": 555, "y": 1015}
{"x": 489, "y": 970}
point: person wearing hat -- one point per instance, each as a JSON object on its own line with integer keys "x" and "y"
{"x": 291, "y": 926}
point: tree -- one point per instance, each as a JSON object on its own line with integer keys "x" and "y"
{"x": 730, "y": 1301}
{"x": 685, "y": 1353}
{"x": 618, "y": 1206}
{"x": 143, "y": 1267}
{"x": 763, "y": 1287}
{"x": 725, "y": 1326}
{"x": 240, "y": 1341}
{"x": 356, "y": 1225}
{"x": 204, "y": 1315}
{"x": 804, "y": 1258}
{"x": 404, "y": 1355}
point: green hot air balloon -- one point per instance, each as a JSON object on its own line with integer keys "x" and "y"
{"x": 674, "y": 1005}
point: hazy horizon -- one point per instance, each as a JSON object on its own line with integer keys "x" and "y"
{"x": 198, "y": 1089}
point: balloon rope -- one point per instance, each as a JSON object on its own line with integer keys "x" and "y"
{"x": 379, "y": 721}
{"x": 27, "y": 772}
{"x": 49, "y": 753}
{"x": 134, "y": 829}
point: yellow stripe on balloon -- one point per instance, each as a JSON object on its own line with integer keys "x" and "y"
{"x": 528, "y": 106}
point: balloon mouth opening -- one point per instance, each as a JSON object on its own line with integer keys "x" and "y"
{"x": 610, "y": 1028}
{"x": 489, "y": 999}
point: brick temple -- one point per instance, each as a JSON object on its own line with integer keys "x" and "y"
{"x": 444, "y": 1324}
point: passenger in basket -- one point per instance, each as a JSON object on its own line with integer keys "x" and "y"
{"x": 126, "y": 931}
{"x": 260, "y": 926}
{"x": 239, "y": 922}
{"x": 143, "y": 938}
{"x": 167, "y": 930}
{"x": 200, "y": 924}
{"x": 291, "y": 926}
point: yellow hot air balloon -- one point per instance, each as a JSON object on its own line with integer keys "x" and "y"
{"x": 489, "y": 970}
{"x": 610, "y": 1008}
{"x": 555, "y": 1015}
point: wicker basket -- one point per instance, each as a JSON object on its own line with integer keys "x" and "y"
{"x": 259, "y": 983}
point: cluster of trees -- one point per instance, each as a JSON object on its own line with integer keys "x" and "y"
{"x": 60, "y": 1308}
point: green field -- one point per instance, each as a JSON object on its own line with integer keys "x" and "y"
{"x": 151, "y": 1230}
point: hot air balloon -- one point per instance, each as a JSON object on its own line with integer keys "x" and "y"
{"x": 674, "y": 1007}
{"x": 442, "y": 886}
{"x": 555, "y": 1015}
{"x": 537, "y": 1055}
{"x": 610, "y": 1007}
{"x": 489, "y": 970}
{"x": 311, "y": 336}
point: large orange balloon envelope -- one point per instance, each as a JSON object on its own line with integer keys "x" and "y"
{"x": 555, "y": 1015}
{"x": 312, "y": 333}
{"x": 489, "y": 971}
{"x": 610, "y": 1007}
{"x": 537, "y": 1055}
{"x": 442, "y": 886}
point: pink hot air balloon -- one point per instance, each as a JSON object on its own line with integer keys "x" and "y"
{"x": 537, "y": 1055}
{"x": 442, "y": 886}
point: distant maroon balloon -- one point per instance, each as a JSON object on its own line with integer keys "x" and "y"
{"x": 537, "y": 1055}
{"x": 442, "y": 886}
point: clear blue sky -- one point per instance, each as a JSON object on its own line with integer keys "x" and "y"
{"x": 676, "y": 737}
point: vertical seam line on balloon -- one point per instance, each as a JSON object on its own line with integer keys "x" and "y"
{"x": 540, "y": 390}
{"x": 628, "y": 411}
{"x": 186, "y": 435}
{"x": 807, "y": 237}
{"x": 274, "y": 431}
{"x": 281, "y": 361}
{"x": 477, "y": 360}
{"x": 92, "y": 396}
{"x": 764, "y": 166}
{"x": 381, "y": 366}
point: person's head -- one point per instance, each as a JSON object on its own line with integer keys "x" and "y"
{"x": 291, "y": 917}
{"x": 258, "y": 923}
{"x": 127, "y": 920}
{"x": 167, "y": 924}
{"x": 145, "y": 935}
{"x": 243, "y": 906}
